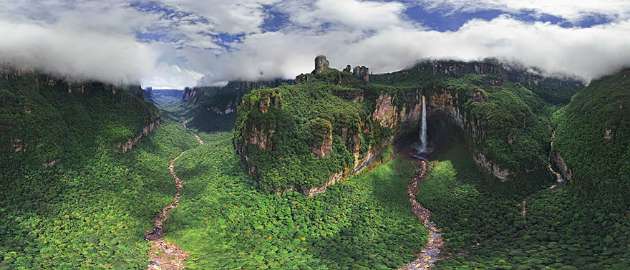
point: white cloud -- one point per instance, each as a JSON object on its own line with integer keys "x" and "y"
{"x": 97, "y": 39}
{"x": 355, "y": 14}
{"x": 589, "y": 52}
{"x": 244, "y": 16}
{"x": 108, "y": 57}
{"x": 569, "y": 9}
{"x": 171, "y": 77}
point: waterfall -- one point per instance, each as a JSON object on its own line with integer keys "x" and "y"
{"x": 423, "y": 128}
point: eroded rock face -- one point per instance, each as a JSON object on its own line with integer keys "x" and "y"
{"x": 189, "y": 94}
{"x": 50, "y": 164}
{"x": 385, "y": 113}
{"x": 261, "y": 137}
{"x": 337, "y": 177}
{"x": 391, "y": 116}
{"x": 132, "y": 142}
{"x": 562, "y": 166}
{"x": 268, "y": 101}
{"x": 18, "y": 145}
{"x": 325, "y": 148}
{"x": 230, "y": 109}
{"x": 449, "y": 104}
{"x": 489, "y": 166}
{"x": 608, "y": 135}
{"x": 321, "y": 64}
{"x": 413, "y": 114}
{"x": 359, "y": 165}
{"x": 362, "y": 73}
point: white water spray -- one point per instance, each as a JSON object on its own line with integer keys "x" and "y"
{"x": 423, "y": 128}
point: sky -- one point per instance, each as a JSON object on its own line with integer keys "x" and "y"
{"x": 179, "y": 43}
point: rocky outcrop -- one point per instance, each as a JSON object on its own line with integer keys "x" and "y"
{"x": 362, "y": 73}
{"x": 446, "y": 102}
{"x": 261, "y": 138}
{"x": 392, "y": 116}
{"x": 267, "y": 102}
{"x": 189, "y": 94}
{"x": 331, "y": 181}
{"x": 229, "y": 109}
{"x": 359, "y": 165}
{"x": 385, "y": 113}
{"x": 324, "y": 147}
{"x": 321, "y": 64}
{"x": 51, "y": 163}
{"x": 18, "y": 146}
{"x": 261, "y": 134}
{"x": 132, "y": 142}
{"x": 561, "y": 165}
{"x": 489, "y": 166}
{"x": 608, "y": 135}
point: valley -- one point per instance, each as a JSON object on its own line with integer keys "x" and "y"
{"x": 317, "y": 173}
{"x": 321, "y": 134}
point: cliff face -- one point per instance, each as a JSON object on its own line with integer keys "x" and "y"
{"x": 555, "y": 90}
{"x": 214, "y": 108}
{"x": 132, "y": 142}
{"x": 332, "y": 145}
{"x": 592, "y": 143}
{"x": 44, "y": 119}
{"x": 311, "y": 135}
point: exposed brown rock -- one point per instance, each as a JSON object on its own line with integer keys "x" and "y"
{"x": 132, "y": 142}
{"x": 385, "y": 112}
{"x": 413, "y": 115}
{"x": 449, "y": 104}
{"x": 557, "y": 160}
{"x": 325, "y": 148}
{"x": 321, "y": 64}
{"x": 50, "y": 164}
{"x": 261, "y": 138}
{"x": 18, "y": 146}
{"x": 268, "y": 101}
{"x": 608, "y": 135}
{"x": 361, "y": 73}
{"x": 331, "y": 181}
{"x": 483, "y": 162}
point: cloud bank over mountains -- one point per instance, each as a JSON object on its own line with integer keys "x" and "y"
{"x": 177, "y": 43}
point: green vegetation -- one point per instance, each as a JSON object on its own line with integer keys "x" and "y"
{"x": 224, "y": 222}
{"x": 70, "y": 199}
{"x": 277, "y": 129}
{"x": 47, "y": 123}
{"x": 91, "y": 208}
{"x": 485, "y": 227}
{"x": 214, "y": 108}
{"x": 92, "y": 213}
{"x": 295, "y": 117}
{"x": 513, "y": 121}
{"x": 593, "y": 137}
